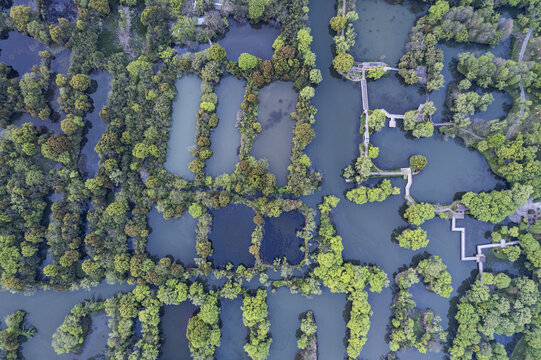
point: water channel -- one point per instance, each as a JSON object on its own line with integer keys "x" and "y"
{"x": 95, "y": 127}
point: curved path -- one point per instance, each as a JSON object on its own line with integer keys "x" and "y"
{"x": 403, "y": 171}
{"x": 460, "y": 129}
{"x": 522, "y": 94}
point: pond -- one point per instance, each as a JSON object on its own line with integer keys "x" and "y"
{"x": 276, "y": 102}
{"x": 231, "y": 235}
{"x": 95, "y": 342}
{"x": 233, "y": 331}
{"x": 183, "y": 126}
{"x": 173, "y": 325}
{"x": 225, "y": 139}
{"x": 46, "y": 311}
{"x": 20, "y": 52}
{"x": 256, "y": 40}
{"x": 451, "y": 50}
{"x": 497, "y": 110}
{"x": 242, "y": 37}
{"x": 451, "y": 167}
{"x": 95, "y": 127}
{"x": 390, "y": 94}
{"x": 175, "y": 237}
{"x": 284, "y": 310}
{"x": 383, "y": 29}
{"x": 280, "y": 238}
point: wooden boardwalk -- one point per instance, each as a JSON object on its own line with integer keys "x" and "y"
{"x": 403, "y": 171}
{"x": 479, "y": 256}
{"x": 364, "y": 97}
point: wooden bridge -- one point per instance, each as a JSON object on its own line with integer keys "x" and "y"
{"x": 479, "y": 257}
{"x": 364, "y": 97}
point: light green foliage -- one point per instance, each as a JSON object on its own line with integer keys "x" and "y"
{"x": 379, "y": 193}
{"x": 69, "y": 337}
{"x": 376, "y": 120}
{"x": 256, "y": 8}
{"x": 338, "y": 23}
{"x": 307, "y": 329}
{"x": 80, "y": 82}
{"x": 483, "y": 313}
{"x": 435, "y": 276}
{"x": 315, "y": 76}
{"x": 375, "y": 72}
{"x": 101, "y": 6}
{"x": 343, "y": 62}
{"x": 417, "y": 162}
{"x": 492, "y": 207}
{"x": 117, "y": 208}
{"x": 247, "y": 61}
{"x": 307, "y": 92}
{"x": 413, "y": 239}
{"x": 196, "y": 210}
{"x": 217, "y": 53}
{"x": 176, "y": 5}
{"x": 255, "y": 316}
{"x": 305, "y": 39}
{"x": 173, "y": 292}
{"x": 419, "y": 213}
{"x": 21, "y": 15}
{"x": 440, "y": 8}
{"x": 203, "y": 331}
{"x": 136, "y": 66}
{"x": 486, "y": 70}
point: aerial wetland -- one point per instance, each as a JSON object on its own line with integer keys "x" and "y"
{"x": 255, "y": 179}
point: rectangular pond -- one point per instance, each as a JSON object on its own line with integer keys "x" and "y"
{"x": 183, "y": 126}
{"x": 225, "y": 138}
{"x": 172, "y": 237}
{"x": 276, "y": 101}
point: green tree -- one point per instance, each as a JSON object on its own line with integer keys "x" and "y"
{"x": 418, "y": 213}
{"x": 101, "y": 6}
{"x": 492, "y": 207}
{"x": 247, "y": 61}
{"x": 217, "y": 53}
{"x": 338, "y": 23}
{"x": 256, "y": 8}
{"x": 413, "y": 239}
{"x": 80, "y": 82}
{"x": 343, "y": 62}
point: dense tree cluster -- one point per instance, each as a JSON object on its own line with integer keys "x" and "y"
{"x": 487, "y": 310}
{"x": 492, "y": 207}
{"x": 363, "y": 194}
{"x": 255, "y": 317}
{"x": 423, "y": 61}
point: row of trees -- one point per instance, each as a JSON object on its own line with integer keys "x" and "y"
{"x": 14, "y": 335}
{"x": 506, "y": 308}
{"x": 380, "y": 192}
